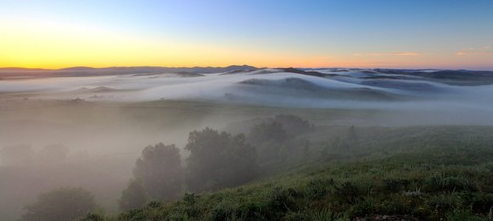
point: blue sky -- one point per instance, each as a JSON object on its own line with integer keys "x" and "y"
{"x": 343, "y": 32}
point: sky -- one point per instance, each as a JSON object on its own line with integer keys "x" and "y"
{"x": 453, "y": 34}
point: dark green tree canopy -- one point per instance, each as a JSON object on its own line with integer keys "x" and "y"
{"x": 279, "y": 138}
{"x": 218, "y": 160}
{"x": 160, "y": 171}
{"x": 294, "y": 125}
{"x": 268, "y": 132}
{"x": 64, "y": 204}
{"x": 133, "y": 197}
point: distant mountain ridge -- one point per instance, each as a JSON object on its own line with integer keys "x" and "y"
{"x": 90, "y": 71}
{"x": 369, "y": 76}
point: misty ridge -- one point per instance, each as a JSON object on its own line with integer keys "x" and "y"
{"x": 290, "y": 87}
{"x": 243, "y": 143}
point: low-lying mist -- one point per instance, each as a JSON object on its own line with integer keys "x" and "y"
{"x": 269, "y": 87}
{"x": 88, "y": 131}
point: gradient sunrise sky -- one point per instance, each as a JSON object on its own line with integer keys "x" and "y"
{"x": 264, "y": 33}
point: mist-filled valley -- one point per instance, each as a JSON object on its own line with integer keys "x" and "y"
{"x": 179, "y": 137}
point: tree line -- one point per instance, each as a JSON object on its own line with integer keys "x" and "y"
{"x": 216, "y": 160}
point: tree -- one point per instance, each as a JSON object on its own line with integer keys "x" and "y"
{"x": 268, "y": 132}
{"x": 64, "y": 204}
{"x": 133, "y": 197}
{"x": 218, "y": 160}
{"x": 160, "y": 171}
{"x": 294, "y": 125}
{"x": 240, "y": 162}
{"x": 271, "y": 140}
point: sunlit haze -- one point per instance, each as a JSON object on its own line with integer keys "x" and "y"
{"x": 222, "y": 110}
{"x": 359, "y": 33}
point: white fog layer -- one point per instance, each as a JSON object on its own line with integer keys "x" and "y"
{"x": 87, "y": 131}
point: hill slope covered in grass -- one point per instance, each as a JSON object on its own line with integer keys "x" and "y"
{"x": 413, "y": 173}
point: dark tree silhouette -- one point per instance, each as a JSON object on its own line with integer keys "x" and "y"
{"x": 133, "y": 197}
{"x": 294, "y": 125}
{"x": 160, "y": 171}
{"x": 218, "y": 160}
{"x": 64, "y": 204}
{"x": 268, "y": 132}
{"x": 271, "y": 140}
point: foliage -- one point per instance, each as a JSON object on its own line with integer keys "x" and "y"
{"x": 133, "y": 197}
{"x": 441, "y": 173}
{"x": 268, "y": 132}
{"x": 160, "y": 172}
{"x": 93, "y": 217}
{"x": 294, "y": 125}
{"x": 218, "y": 160}
{"x": 280, "y": 138}
{"x": 64, "y": 204}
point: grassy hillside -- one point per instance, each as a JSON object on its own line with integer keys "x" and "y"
{"x": 414, "y": 173}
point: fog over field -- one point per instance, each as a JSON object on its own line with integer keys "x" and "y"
{"x": 87, "y": 131}
{"x": 320, "y": 88}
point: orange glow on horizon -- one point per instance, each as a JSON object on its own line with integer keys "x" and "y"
{"x": 54, "y": 45}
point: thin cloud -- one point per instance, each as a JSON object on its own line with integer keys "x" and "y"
{"x": 485, "y": 50}
{"x": 411, "y": 54}
{"x": 406, "y": 54}
{"x": 368, "y": 54}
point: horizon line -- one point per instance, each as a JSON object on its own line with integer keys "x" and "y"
{"x": 243, "y": 65}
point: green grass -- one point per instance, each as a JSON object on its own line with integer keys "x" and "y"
{"x": 414, "y": 173}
